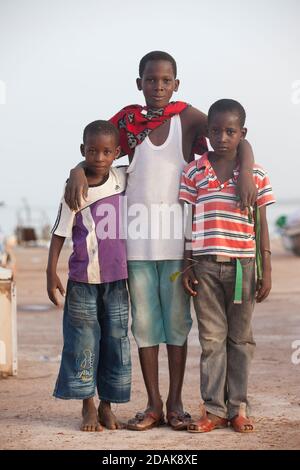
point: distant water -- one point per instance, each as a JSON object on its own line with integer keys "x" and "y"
{"x": 41, "y": 216}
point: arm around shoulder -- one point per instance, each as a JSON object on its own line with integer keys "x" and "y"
{"x": 195, "y": 120}
{"x": 77, "y": 187}
{"x": 246, "y": 188}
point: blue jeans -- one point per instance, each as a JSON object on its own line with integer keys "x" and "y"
{"x": 225, "y": 333}
{"x": 96, "y": 350}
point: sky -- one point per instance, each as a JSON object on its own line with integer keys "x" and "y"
{"x": 66, "y": 63}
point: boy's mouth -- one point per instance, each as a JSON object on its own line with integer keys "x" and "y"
{"x": 222, "y": 148}
{"x": 99, "y": 167}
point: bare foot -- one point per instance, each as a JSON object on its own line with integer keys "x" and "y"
{"x": 107, "y": 417}
{"x": 90, "y": 421}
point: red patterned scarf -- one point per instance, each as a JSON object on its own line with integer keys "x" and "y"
{"x": 135, "y": 122}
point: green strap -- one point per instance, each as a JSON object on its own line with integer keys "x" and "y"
{"x": 239, "y": 269}
{"x": 257, "y": 243}
{"x": 238, "y": 283}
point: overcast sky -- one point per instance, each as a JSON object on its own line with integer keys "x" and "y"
{"x": 65, "y": 63}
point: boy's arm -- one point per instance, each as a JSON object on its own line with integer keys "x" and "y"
{"x": 246, "y": 188}
{"x": 53, "y": 281}
{"x": 264, "y": 286}
{"x": 188, "y": 276}
{"x": 77, "y": 187}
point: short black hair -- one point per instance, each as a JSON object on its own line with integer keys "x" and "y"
{"x": 98, "y": 127}
{"x": 157, "y": 55}
{"x": 224, "y": 105}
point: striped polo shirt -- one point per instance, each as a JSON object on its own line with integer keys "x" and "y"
{"x": 99, "y": 250}
{"x": 219, "y": 226}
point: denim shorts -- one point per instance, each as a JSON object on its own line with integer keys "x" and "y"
{"x": 96, "y": 351}
{"x": 160, "y": 308}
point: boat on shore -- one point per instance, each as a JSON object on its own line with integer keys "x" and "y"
{"x": 289, "y": 230}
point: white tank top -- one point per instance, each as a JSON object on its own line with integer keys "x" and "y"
{"x": 155, "y": 215}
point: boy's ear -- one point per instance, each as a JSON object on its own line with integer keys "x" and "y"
{"x": 177, "y": 83}
{"x": 139, "y": 83}
{"x": 82, "y": 149}
{"x": 244, "y": 133}
{"x": 118, "y": 151}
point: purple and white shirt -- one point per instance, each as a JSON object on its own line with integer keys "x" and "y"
{"x": 99, "y": 248}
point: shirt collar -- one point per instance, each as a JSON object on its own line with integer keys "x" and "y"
{"x": 213, "y": 183}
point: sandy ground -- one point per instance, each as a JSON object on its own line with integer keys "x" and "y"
{"x": 30, "y": 418}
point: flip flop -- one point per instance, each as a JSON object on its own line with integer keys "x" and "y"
{"x": 178, "y": 420}
{"x": 136, "y": 424}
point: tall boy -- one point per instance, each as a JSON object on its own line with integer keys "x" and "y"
{"x": 223, "y": 250}
{"x": 96, "y": 350}
{"x": 159, "y": 139}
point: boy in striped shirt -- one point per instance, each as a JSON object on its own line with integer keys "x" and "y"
{"x": 223, "y": 241}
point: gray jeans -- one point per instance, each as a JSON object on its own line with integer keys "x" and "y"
{"x": 225, "y": 333}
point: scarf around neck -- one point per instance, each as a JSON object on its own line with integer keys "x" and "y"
{"x": 135, "y": 122}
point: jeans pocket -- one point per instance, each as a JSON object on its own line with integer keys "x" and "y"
{"x": 125, "y": 351}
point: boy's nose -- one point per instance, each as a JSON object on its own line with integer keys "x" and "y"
{"x": 159, "y": 85}
{"x": 223, "y": 137}
{"x": 98, "y": 157}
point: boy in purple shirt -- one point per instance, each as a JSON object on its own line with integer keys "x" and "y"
{"x": 96, "y": 350}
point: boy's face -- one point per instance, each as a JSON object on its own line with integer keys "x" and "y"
{"x": 158, "y": 83}
{"x": 225, "y": 133}
{"x": 99, "y": 151}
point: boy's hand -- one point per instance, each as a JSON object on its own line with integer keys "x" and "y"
{"x": 77, "y": 187}
{"x": 188, "y": 281}
{"x": 53, "y": 283}
{"x": 246, "y": 189}
{"x": 263, "y": 287}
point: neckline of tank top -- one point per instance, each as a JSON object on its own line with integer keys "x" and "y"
{"x": 169, "y": 137}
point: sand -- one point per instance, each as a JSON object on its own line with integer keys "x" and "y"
{"x": 30, "y": 418}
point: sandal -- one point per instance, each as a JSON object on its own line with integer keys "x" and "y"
{"x": 150, "y": 417}
{"x": 207, "y": 422}
{"x": 178, "y": 420}
{"x": 241, "y": 422}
